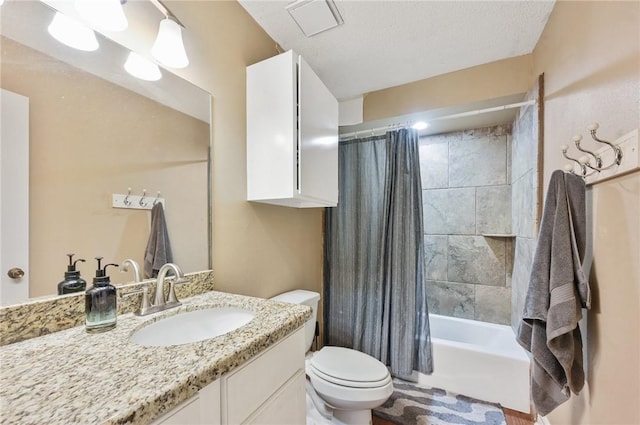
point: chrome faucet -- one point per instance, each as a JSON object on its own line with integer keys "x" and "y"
{"x": 159, "y": 303}
{"x": 124, "y": 267}
{"x": 162, "y": 274}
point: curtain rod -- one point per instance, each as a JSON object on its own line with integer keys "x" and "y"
{"x": 444, "y": 117}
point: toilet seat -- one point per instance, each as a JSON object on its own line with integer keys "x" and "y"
{"x": 349, "y": 397}
{"x": 349, "y": 368}
{"x": 348, "y": 383}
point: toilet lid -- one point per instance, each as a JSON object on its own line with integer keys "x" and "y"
{"x": 344, "y": 366}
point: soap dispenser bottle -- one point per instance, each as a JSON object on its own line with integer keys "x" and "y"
{"x": 72, "y": 281}
{"x": 100, "y": 302}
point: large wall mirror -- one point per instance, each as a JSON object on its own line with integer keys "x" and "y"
{"x": 95, "y": 131}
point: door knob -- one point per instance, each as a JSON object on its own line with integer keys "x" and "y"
{"x": 15, "y": 273}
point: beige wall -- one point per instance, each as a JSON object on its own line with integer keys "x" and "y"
{"x": 90, "y": 138}
{"x": 259, "y": 250}
{"x": 482, "y": 82}
{"x": 590, "y": 55}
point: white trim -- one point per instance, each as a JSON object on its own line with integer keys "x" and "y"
{"x": 542, "y": 420}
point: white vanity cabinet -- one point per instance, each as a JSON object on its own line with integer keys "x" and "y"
{"x": 292, "y": 135}
{"x": 203, "y": 408}
{"x": 269, "y": 389}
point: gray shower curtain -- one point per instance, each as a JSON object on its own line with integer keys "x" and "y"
{"x": 374, "y": 292}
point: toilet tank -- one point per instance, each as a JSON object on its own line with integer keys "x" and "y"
{"x": 309, "y": 298}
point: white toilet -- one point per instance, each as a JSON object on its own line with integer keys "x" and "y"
{"x": 348, "y": 382}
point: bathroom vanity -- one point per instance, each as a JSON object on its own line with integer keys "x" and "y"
{"x": 254, "y": 374}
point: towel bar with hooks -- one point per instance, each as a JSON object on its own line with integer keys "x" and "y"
{"x": 136, "y": 202}
{"x": 608, "y": 160}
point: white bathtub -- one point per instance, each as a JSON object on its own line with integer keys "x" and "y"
{"x": 480, "y": 360}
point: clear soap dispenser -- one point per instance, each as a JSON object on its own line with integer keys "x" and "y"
{"x": 100, "y": 302}
{"x": 72, "y": 281}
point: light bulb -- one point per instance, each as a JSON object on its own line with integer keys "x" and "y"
{"x": 142, "y": 68}
{"x": 72, "y": 33}
{"x": 103, "y": 14}
{"x": 420, "y": 125}
{"x": 168, "y": 48}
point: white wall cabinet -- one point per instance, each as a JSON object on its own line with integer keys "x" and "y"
{"x": 292, "y": 135}
{"x": 269, "y": 389}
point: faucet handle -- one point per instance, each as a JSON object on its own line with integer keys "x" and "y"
{"x": 124, "y": 267}
{"x": 172, "y": 288}
{"x": 145, "y": 306}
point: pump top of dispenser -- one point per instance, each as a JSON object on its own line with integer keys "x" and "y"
{"x": 101, "y": 273}
{"x": 71, "y": 268}
{"x": 72, "y": 281}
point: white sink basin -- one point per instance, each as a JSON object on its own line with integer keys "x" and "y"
{"x": 192, "y": 326}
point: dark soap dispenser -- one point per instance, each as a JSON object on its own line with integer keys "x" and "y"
{"x": 100, "y": 302}
{"x": 72, "y": 281}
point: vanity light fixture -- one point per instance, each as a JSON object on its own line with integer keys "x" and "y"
{"x": 103, "y": 14}
{"x": 420, "y": 125}
{"x": 142, "y": 68}
{"x": 168, "y": 49}
{"x": 1, "y": 2}
{"x": 72, "y": 33}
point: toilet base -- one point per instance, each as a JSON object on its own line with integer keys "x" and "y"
{"x": 335, "y": 416}
{"x": 353, "y": 417}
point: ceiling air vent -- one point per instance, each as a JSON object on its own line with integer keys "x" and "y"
{"x": 315, "y": 16}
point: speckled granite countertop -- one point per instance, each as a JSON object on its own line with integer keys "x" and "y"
{"x": 72, "y": 377}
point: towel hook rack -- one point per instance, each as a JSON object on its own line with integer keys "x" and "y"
{"x": 605, "y": 162}
{"x": 616, "y": 149}
{"x": 136, "y": 202}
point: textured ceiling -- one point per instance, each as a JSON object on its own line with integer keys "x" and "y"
{"x": 386, "y": 43}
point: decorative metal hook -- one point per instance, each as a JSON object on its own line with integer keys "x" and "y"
{"x": 585, "y": 161}
{"x": 126, "y": 201}
{"x": 577, "y": 138}
{"x": 144, "y": 193}
{"x": 583, "y": 168}
{"x": 616, "y": 149}
{"x": 155, "y": 201}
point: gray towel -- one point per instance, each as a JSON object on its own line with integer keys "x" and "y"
{"x": 158, "y": 251}
{"x": 558, "y": 290}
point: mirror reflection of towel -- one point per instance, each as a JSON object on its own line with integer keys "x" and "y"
{"x": 158, "y": 251}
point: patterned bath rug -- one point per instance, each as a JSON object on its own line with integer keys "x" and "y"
{"x": 411, "y": 404}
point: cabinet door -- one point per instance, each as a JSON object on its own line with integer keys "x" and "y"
{"x": 318, "y": 138}
{"x": 203, "y": 408}
{"x": 271, "y": 128}
{"x": 286, "y": 407}
{"x": 186, "y": 413}
{"x": 252, "y": 385}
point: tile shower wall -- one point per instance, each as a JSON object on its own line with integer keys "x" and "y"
{"x": 466, "y": 182}
{"x": 524, "y": 181}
